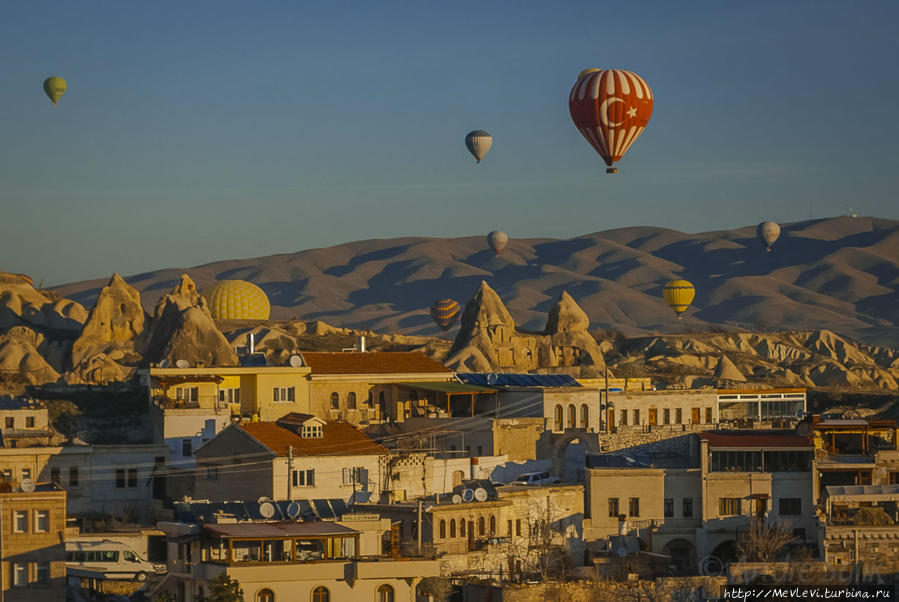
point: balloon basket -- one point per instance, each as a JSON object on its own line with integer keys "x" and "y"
{"x": 611, "y": 170}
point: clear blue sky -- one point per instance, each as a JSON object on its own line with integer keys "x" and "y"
{"x": 198, "y": 131}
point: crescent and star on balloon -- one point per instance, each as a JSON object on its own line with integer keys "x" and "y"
{"x": 604, "y": 112}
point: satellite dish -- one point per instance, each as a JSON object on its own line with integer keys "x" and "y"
{"x": 182, "y": 364}
{"x": 164, "y": 363}
{"x": 27, "y": 485}
{"x": 467, "y": 495}
{"x": 622, "y": 551}
{"x": 480, "y": 494}
{"x": 492, "y": 378}
{"x": 296, "y": 361}
{"x": 263, "y": 500}
{"x": 293, "y": 510}
{"x": 267, "y": 509}
{"x": 457, "y": 499}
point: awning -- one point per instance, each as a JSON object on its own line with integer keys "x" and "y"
{"x": 448, "y": 387}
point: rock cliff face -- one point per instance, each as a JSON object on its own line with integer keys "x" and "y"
{"x": 183, "y": 329}
{"x": 488, "y": 341}
{"x": 21, "y": 362}
{"x": 114, "y": 325}
{"x": 22, "y": 305}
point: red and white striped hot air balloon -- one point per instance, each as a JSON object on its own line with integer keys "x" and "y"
{"x": 611, "y": 108}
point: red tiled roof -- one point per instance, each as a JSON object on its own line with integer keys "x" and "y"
{"x": 384, "y": 362}
{"x": 338, "y": 439}
{"x": 763, "y": 439}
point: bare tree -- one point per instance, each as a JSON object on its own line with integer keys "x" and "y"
{"x": 763, "y": 541}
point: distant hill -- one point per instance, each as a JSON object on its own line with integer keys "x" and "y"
{"x": 840, "y": 274}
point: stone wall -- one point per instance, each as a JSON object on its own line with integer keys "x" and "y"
{"x": 669, "y": 589}
{"x": 663, "y": 440}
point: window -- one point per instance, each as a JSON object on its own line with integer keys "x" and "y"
{"x": 633, "y": 506}
{"x": 666, "y": 416}
{"x": 282, "y": 394}
{"x": 481, "y": 526}
{"x": 120, "y": 478}
{"x": 20, "y": 521}
{"x": 20, "y": 574}
{"x": 312, "y": 431}
{"x": 510, "y": 527}
{"x": 212, "y": 473}
{"x": 29, "y": 422}
{"x": 54, "y": 476}
{"x": 7, "y": 474}
{"x": 669, "y": 507}
{"x": 26, "y": 473}
{"x": 187, "y": 393}
{"x": 492, "y": 525}
{"x": 187, "y": 448}
{"x": 790, "y": 506}
{"x": 636, "y": 417}
{"x": 335, "y": 401}
{"x": 518, "y": 527}
{"x": 678, "y": 416}
{"x": 585, "y": 416}
{"x": 229, "y": 395}
{"x": 442, "y": 529}
{"x": 480, "y": 450}
{"x": 73, "y": 476}
{"x": 557, "y": 415}
{"x": 355, "y": 476}
{"x": 729, "y": 506}
{"x": 571, "y": 416}
{"x": 321, "y": 594}
{"x": 622, "y": 417}
{"x": 452, "y": 527}
{"x": 613, "y": 507}
{"x": 41, "y": 521}
{"x": 351, "y": 400}
{"x": 688, "y": 507}
{"x": 265, "y": 595}
{"x": 304, "y": 478}
{"x": 43, "y": 573}
{"x": 132, "y": 477}
{"x": 385, "y": 593}
{"x": 708, "y": 415}
{"x": 10, "y": 422}
{"x": 462, "y": 528}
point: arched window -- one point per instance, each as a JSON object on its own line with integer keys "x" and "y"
{"x": 335, "y": 401}
{"x": 462, "y": 528}
{"x": 558, "y": 417}
{"x": 571, "y": 416}
{"x": 370, "y": 401}
{"x": 385, "y": 593}
{"x": 321, "y": 594}
{"x": 492, "y": 525}
{"x": 265, "y": 595}
{"x": 382, "y": 404}
{"x": 481, "y": 526}
{"x": 351, "y": 400}
{"x": 442, "y": 529}
{"x": 585, "y": 416}
{"x": 452, "y": 527}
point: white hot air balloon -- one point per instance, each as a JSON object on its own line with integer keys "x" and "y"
{"x": 497, "y": 240}
{"x": 478, "y": 143}
{"x": 768, "y": 233}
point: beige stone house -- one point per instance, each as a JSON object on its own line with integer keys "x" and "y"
{"x": 32, "y": 544}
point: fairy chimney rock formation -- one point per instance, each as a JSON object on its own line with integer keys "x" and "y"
{"x": 114, "y": 323}
{"x": 726, "y": 370}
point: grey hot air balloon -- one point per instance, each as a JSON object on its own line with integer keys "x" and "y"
{"x": 768, "y": 233}
{"x": 478, "y": 143}
{"x": 497, "y": 240}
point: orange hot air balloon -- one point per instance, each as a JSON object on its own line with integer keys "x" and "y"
{"x": 611, "y": 108}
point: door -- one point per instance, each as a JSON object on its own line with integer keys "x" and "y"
{"x": 694, "y": 415}
{"x": 610, "y": 422}
{"x": 653, "y": 416}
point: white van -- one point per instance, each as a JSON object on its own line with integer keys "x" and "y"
{"x": 536, "y": 478}
{"x": 107, "y": 559}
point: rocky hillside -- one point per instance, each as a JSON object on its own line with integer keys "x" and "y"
{"x": 839, "y": 274}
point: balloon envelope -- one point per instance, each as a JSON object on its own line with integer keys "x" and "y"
{"x": 445, "y": 313}
{"x": 610, "y": 108}
{"x": 237, "y": 300}
{"x": 54, "y": 88}
{"x": 679, "y": 295}
{"x": 478, "y": 143}
{"x": 768, "y": 232}
{"x": 497, "y": 240}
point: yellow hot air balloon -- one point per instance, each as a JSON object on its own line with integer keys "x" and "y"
{"x": 679, "y": 295}
{"x": 587, "y": 72}
{"x": 237, "y": 300}
{"x": 55, "y": 87}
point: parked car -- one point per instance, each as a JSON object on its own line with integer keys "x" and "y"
{"x": 536, "y": 478}
{"x": 107, "y": 559}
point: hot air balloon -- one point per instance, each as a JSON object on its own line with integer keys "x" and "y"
{"x": 478, "y": 143}
{"x": 55, "y": 87}
{"x": 445, "y": 313}
{"x": 497, "y": 240}
{"x": 237, "y": 300}
{"x": 768, "y": 233}
{"x": 678, "y": 295}
{"x": 611, "y": 108}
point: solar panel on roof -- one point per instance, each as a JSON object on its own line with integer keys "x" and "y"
{"x": 340, "y": 507}
{"x": 517, "y": 380}
{"x": 323, "y": 509}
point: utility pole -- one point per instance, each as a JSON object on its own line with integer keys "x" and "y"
{"x": 419, "y": 527}
{"x": 290, "y": 473}
{"x": 354, "y": 490}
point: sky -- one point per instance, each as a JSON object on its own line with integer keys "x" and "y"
{"x": 193, "y": 132}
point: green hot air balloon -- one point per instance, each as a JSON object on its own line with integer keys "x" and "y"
{"x": 55, "y": 87}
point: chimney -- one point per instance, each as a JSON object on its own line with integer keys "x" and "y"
{"x": 251, "y": 347}
{"x": 622, "y": 524}
{"x": 474, "y": 467}
{"x": 360, "y": 343}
